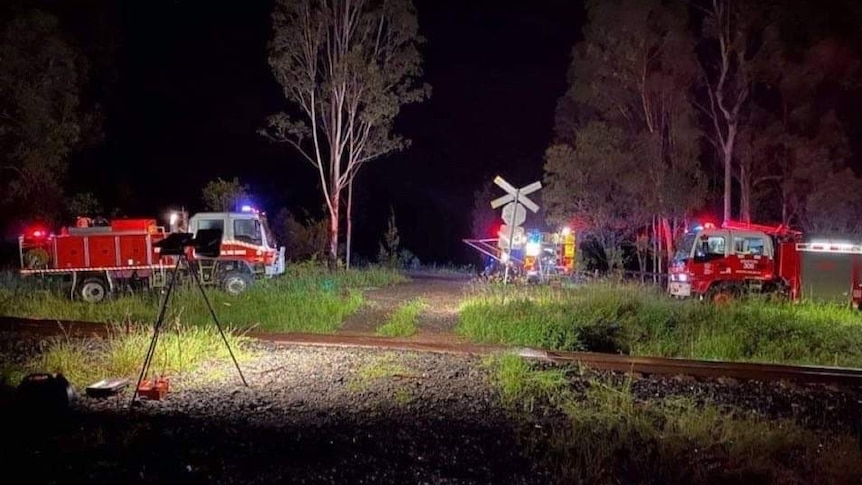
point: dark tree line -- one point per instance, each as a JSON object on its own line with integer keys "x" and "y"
{"x": 53, "y": 83}
{"x": 674, "y": 105}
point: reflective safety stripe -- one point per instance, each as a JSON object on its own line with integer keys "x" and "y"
{"x": 101, "y": 268}
{"x": 236, "y": 252}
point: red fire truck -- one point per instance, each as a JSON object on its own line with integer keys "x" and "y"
{"x": 721, "y": 263}
{"x": 95, "y": 260}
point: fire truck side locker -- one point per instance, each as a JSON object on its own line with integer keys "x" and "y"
{"x": 829, "y": 275}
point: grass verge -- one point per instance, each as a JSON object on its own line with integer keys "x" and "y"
{"x": 606, "y": 435}
{"x": 121, "y": 354}
{"x": 641, "y": 320}
{"x": 403, "y": 322}
{"x": 306, "y": 299}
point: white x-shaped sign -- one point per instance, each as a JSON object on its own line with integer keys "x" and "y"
{"x": 513, "y": 193}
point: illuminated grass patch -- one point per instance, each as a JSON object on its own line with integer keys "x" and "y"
{"x": 641, "y": 320}
{"x": 122, "y": 353}
{"x": 385, "y": 366}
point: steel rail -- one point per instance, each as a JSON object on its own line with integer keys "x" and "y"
{"x": 441, "y": 343}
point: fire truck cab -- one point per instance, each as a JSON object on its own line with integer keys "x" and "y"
{"x": 245, "y": 236}
{"x": 719, "y": 261}
{"x": 719, "y": 264}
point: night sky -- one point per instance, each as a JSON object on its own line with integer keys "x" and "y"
{"x": 191, "y": 86}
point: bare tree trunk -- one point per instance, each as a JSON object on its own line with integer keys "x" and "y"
{"x": 667, "y": 235}
{"x": 349, "y": 219}
{"x": 728, "y": 182}
{"x": 655, "y": 248}
{"x": 333, "y": 228}
{"x": 641, "y": 252}
{"x": 744, "y": 193}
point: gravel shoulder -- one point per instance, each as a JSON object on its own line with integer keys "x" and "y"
{"x": 338, "y": 415}
{"x": 309, "y": 415}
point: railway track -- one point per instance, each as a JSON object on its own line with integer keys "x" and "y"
{"x": 450, "y": 344}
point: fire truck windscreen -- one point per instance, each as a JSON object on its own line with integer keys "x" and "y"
{"x": 684, "y": 246}
{"x": 248, "y": 230}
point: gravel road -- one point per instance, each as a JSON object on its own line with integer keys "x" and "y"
{"x": 334, "y": 415}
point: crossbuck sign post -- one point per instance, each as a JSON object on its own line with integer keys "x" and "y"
{"x": 514, "y": 213}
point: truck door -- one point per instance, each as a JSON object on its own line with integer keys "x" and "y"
{"x": 209, "y": 223}
{"x": 753, "y": 254}
{"x": 710, "y": 254}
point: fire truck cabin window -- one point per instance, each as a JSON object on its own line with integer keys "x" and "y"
{"x": 211, "y": 224}
{"x": 749, "y": 245}
{"x": 247, "y": 230}
{"x": 713, "y": 247}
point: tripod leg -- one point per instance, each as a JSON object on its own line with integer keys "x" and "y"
{"x": 156, "y": 328}
{"x": 218, "y": 325}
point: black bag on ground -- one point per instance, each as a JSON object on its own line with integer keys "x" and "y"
{"x": 43, "y": 393}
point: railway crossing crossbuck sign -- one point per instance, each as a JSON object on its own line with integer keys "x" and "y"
{"x": 514, "y": 203}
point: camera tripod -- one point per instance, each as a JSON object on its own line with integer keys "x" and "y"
{"x": 181, "y": 257}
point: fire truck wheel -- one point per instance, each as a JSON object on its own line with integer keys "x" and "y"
{"x": 235, "y": 283}
{"x": 93, "y": 290}
{"x": 722, "y": 295}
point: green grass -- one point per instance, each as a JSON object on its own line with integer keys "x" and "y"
{"x": 306, "y": 299}
{"x": 121, "y": 354}
{"x": 606, "y": 435}
{"x": 523, "y": 387}
{"x": 382, "y": 367}
{"x": 641, "y": 320}
{"x": 403, "y": 322}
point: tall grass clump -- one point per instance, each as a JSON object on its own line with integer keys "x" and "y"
{"x": 587, "y": 318}
{"x": 121, "y": 354}
{"x": 404, "y": 320}
{"x": 607, "y": 435}
{"x": 641, "y": 320}
{"x": 521, "y": 386}
{"x": 308, "y": 298}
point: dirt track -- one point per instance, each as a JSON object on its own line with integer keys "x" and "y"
{"x": 442, "y": 294}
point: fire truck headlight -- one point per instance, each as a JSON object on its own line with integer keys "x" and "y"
{"x": 533, "y": 248}
{"x": 682, "y": 277}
